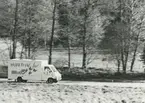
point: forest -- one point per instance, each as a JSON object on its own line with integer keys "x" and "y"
{"x": 114, "y": 27}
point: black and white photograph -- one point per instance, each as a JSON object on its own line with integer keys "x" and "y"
{"x": 72, "y": 51}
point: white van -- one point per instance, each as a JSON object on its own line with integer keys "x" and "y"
{"x": 32, "y": 70}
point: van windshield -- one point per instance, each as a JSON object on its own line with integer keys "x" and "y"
{"x": 50, "y": 68}
{"x": 53, "y": 68}
{"x": 47, "y": 69}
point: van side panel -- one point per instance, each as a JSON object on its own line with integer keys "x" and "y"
{"x": 27, "y": 69}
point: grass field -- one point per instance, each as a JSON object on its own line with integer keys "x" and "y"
{"x": 60, "y": 58}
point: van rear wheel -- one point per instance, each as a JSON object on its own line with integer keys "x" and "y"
{"x": 19, "y": 79}
{"x": 49, "y": 80}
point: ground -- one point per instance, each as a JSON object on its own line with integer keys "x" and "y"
{"x": 69, "y": 92}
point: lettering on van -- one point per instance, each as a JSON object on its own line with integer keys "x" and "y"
{"x": 23, "y": 71}
{"x": 20, "y": 65}
{"x": 29, "y": 68}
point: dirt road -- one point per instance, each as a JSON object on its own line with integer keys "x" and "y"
{"x": 117, "y": 84}
{"x": 88, "y": 83}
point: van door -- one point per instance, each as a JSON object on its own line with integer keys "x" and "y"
{"x": 48, "y": 73}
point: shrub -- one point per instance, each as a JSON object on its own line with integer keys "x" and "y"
{"x": 78, "y": 73}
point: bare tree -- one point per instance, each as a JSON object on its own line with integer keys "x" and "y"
{"x": 137, "y": 27}
{"x": 88, "y": 34}
{"x": 15, "y": 30}
{"x": 52, "y": 31}
{"x": 29, "y": 32}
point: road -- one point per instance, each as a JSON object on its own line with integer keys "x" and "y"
{"x": 88, "y": 83}
{"x": 116, "y": 84}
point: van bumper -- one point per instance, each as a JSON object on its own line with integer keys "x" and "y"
{"x": 55, "y": 81}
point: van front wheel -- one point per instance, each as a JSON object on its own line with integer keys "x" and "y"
{"x": 49, "y": 80}
{"x": 19, "y": 79}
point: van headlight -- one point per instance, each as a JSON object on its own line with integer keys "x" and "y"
{"x": 59, "y": 77}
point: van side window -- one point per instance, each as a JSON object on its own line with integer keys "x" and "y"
{"x": 47, "y": 69}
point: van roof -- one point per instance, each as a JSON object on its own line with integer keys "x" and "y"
{"x": 43, "y": 61}
{"x": 28, "y": 59}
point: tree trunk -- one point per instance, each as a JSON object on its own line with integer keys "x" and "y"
{"x": 29, "y": 31}
{"x": 29, "y": 45}
{"x": 84, "y": 61}
{"x": 118, "y": 65}
{"x": 84, "y": 48}
{"x": 134, "y": 54}
{"x": 133, "y": 60}
{"x": 126, "y": 59}
{"x": 84, "y": 58}
{"x": 21, "y": 53}
{"x": 122, "y": 42}
{"x": 15, "y": 31}
{"x": 52, "y": 34}
{"x": 122, "y": 60}
{"x": 136, "y": 47}
{"x": 69, "y": 55}
{"x": 123, "y": 66}
{"x": 26, "y": 49}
